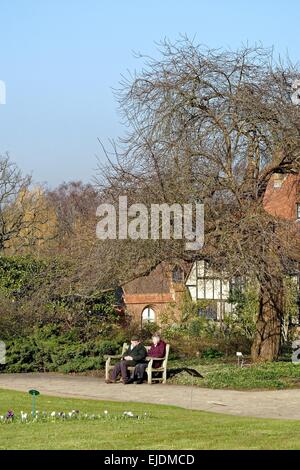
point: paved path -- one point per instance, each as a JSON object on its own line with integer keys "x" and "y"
{"x": 283, "y": 404}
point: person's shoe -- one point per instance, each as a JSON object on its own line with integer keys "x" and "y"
{"x": 128, "y": 382}
{"x": 140, "y": 381}
{"x": 109, "y": 381}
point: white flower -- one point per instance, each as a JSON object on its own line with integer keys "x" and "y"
{"x": 70, "y": 414}
{"x": 53, "y": 414}
{"x": 1, "y": 418}
{"x": 24, "y": 416}
{"x": 105, "y": 412}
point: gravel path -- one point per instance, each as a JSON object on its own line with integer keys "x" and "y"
{"x": 281, "y": 404}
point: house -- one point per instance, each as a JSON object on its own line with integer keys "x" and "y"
{"x": 282, "y": 197}
{"x": 206, "y": 284}
{"x": 148, "y": 297}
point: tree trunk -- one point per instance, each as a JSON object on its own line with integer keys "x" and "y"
{"x": 267, "y": 342}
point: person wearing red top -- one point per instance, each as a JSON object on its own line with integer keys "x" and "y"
{"x": 157, "y": 349}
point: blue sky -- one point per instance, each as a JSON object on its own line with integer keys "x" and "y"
{"x": 60, "y": 59}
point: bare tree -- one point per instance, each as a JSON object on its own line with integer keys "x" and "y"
{"x": 74, "y": 205}
{"x": 215, "y": 126}
{"x": 23, "y": 213}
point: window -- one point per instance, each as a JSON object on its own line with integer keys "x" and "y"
{"x": 209, "y": 312}
{"x": 119, "y": 296}
{"x": 298, "y": 211}
{"x": 207, "y": 284}
{"x": 148, "y": 315}
{"x": 237, "y": 283}
{"x": 177, "y": 275}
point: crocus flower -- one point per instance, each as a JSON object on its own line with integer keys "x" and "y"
{"x": 10, "y": 414}
{"x": 24, "y": 416}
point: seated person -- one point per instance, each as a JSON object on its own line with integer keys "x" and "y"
{"x": 135, "y": 354}
{"x": 157, "y": 349}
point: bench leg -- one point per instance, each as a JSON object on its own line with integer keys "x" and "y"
{"x": 164, "y": 376}
{"x": 107, "y": 370}
{"x": 149, "y": 373}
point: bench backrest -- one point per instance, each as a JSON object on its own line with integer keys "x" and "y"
{"x": 165, "y": 361}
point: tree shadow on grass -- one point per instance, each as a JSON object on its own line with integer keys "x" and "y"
{"x": 192, "y": 372}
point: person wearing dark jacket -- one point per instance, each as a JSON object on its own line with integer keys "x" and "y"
{"x": 135, "y": 354}
{"x": 157, "y": 349}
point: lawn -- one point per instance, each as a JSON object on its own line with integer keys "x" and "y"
{"x": 167, "y": 428}
{"x": 221, "y": 373}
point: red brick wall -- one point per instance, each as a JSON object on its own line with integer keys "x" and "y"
{"x": 281, "y": 201}
{"x": 155, "y": 290}
{"x": 159, "y": 302}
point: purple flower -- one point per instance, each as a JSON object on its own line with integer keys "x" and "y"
{"x": 9, "y": 414}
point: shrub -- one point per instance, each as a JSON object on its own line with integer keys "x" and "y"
{"x": 34, "y": 292}
{"x": 212, "y": 353}
{"x": 49, "y": 349}
{"x": 148, "y": 329}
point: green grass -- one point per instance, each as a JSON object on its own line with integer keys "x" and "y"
{"x": 219, "y": 373}
{"x": 223, "y": 373}
{"x": 166, "y": 428}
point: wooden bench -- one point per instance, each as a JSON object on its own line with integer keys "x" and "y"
{"x": 149, "y": 370}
